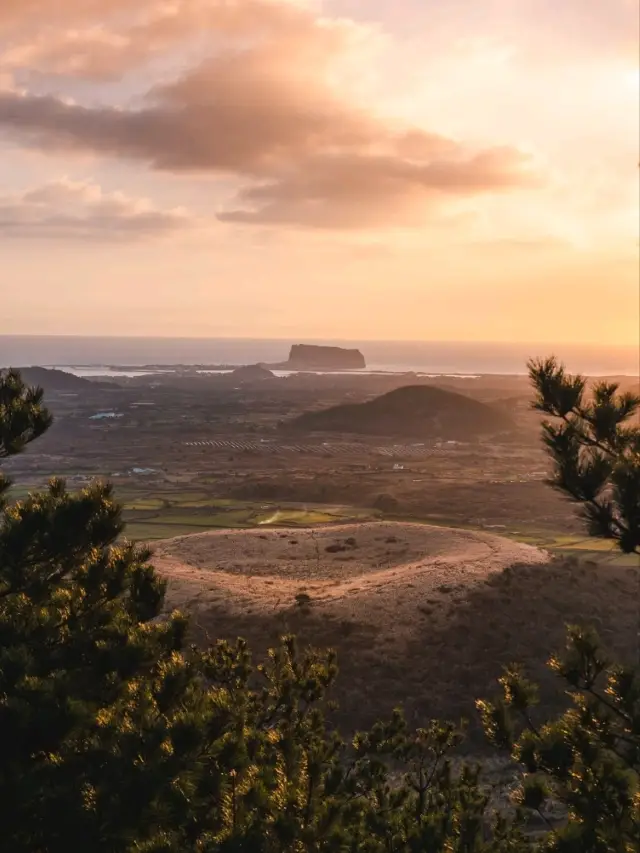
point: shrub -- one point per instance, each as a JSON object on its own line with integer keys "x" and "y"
{"x": 386, "y": 503}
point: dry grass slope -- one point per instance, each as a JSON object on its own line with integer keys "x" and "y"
{"x": 421, "y": 617}
{"x": 370, "y": 571}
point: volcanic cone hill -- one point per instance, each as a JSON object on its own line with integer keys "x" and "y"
{"x": 53, "y": 380}
{"x": 251, "y": 373}
{"x": 415, "y": 411}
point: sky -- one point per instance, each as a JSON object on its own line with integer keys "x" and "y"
{"x": 361, "y": 169}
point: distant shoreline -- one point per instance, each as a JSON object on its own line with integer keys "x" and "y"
{"x": 124, "y": 371}
{"x": 187, "y": 354}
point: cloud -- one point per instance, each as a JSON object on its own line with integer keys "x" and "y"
{"x": 305, "y": 155}
{"x": 258, "y": 91}
{"x": 82, "y": 210}
{"x": 354, "y": 191}
{"x": 590, "y": 29}
{"x": 82, "y": 38}
{"x": 536, "y": 31}
{"x": 269, "y": 105}
{"x": 91, "y": 38}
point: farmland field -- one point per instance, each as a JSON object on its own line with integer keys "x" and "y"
{"x": 177, "y": 514}
{"x": 181, "y": 513}
{"x": 153, "y": 513}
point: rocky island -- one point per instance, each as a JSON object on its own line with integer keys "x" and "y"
{"x": 314, "y": 357}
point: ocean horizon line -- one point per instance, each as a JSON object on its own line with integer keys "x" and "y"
{"x": 291, "y": 339}
{"x": 436, "y": 357}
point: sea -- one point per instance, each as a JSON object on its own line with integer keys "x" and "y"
{"x": 95, "y": 356}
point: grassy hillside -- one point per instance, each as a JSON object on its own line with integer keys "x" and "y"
{"x": 51, "y": 379}
{"x": 412, "y": 411}
{"x": 465, "y": 635}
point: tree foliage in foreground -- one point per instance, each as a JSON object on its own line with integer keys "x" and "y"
{"x": 589, "y": 759}
{"x": 117, "y": 735}
{"x": 594, "y": 441}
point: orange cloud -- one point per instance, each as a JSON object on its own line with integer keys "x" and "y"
{"x": 89, "y": 39}
{"x": 355, "y": 191}
{"x": 266, "y": 106}
{"x": 82, "y": 210}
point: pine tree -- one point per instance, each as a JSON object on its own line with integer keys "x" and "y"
{"x": 90, "y": 680}
{"x": 588, "y": 760}
{"x": 595, "y": 447}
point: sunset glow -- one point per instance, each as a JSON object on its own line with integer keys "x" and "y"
{"x": 418, "y": 170}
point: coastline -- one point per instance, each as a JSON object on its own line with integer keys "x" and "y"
{"x": 434, "y": 358}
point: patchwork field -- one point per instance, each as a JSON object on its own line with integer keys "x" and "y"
{"x": 166, "y": 510}
{"x": 162, "y": 513}
{"x": 151, "y": 520}
{"x": 172, "y": 514}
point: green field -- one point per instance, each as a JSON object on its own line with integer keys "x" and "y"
{"x": 163, "y": 513}
{"x": 183, "y": 513}
{"x": 157, "y": 513}
{"x": 582, "y": 547}
{"x": 179, "y": 513}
